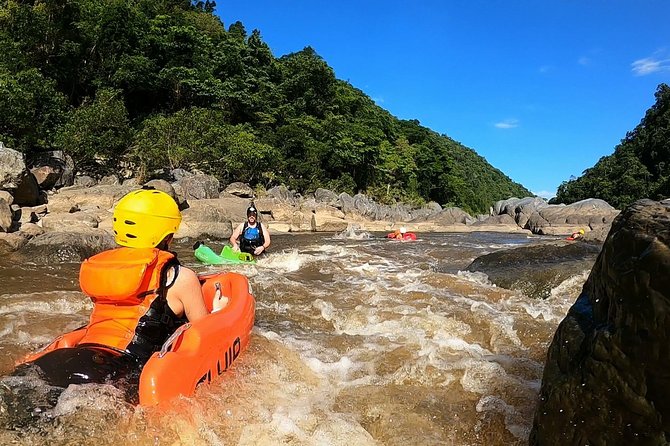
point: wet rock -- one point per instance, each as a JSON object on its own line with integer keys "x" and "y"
{"x": 606, "y": 379}
{"x": 56, "y": 247}
{"x": 535, "y": 270}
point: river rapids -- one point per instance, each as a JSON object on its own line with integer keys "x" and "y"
{"x": 358, "y": 341}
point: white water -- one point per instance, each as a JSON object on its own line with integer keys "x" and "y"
{"x": 358, "y": 340}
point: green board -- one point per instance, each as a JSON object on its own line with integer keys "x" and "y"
{"x": 206, "y": 255}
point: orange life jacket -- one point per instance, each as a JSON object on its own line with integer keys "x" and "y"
{"x": 123, "y": 284}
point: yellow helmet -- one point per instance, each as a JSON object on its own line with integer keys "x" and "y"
{"x": 143, "y": 218}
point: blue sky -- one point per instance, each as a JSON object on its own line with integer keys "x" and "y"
{"x": 541, "y": 89}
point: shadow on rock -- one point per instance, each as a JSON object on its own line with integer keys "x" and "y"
{"x": 59, "y": 247}
{"x": 536, "y": 270}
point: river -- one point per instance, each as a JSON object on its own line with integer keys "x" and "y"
{"x": 358, "y": 341}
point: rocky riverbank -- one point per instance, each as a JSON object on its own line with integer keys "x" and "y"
{"x": 47, "y": 205}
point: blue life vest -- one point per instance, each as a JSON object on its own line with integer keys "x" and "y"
{"x": 252, "y": 238}
{"x": 252, "y": 233}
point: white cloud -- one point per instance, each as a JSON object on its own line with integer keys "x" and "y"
{"x": 507, "y": 124}
{"x": 545, "y": 194}
{"x": 649, "y": 65}
{"x": 378, "y": 99}
{"x": 545, "y": 69}
{"x": 584, "y": 61}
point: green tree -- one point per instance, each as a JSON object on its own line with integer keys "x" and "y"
{"x": 97, "y": 134}
{"x": 31, "y": 109}
{"x": 178, "y": 88}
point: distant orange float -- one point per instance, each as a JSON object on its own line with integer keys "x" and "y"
{"x": 401, "y": 236}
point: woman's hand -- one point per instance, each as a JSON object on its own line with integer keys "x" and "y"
{"x": 219, "y": 301}
{"x": 259, "y": 250}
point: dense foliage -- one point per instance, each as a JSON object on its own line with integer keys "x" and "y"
{"x": 638, "y": 168}
{"x": 146, "y": 85}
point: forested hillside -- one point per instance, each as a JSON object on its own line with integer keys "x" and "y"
{"x": 638, "y": 168}
{"x": 142, "y": 86}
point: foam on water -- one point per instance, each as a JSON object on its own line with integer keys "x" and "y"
{"x": 559, "y": 302}
{"x": 339, "y": 370}
{"x": 55, "y": 302}
{"x": 514, "y": 421}
{"x": 363, "y": 344}
{"x": 475, "y": 277}
{"x": 571, "y": 286}
{"x": 351, "y": 234}
{"x": 286, "y": 261}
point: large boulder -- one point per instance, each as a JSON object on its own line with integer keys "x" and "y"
{"x": 607, "y": 378}
{"x": 450, "y": 216}
{"x": 564, "y": 220}
{"x": 27, "y": 193}
{"x": 53, "y": 169}
{"x": 238, "y": 189}
{"x": 536, "y": 270}
{"x": 69, "y": 221}
{"x": 163, "y": 186}
{"x": 210, "y": 218}
{"x": 541, "y": 218}
{"x": 12, "y": 167}
{"x": 326, "y": 196}
{"x": 96, "y": 197}
{"x": 57, "y": 247}
{"x": 282, "y": 193}
{"x": 328, "y": 219}
{"x": 198, "y": 187}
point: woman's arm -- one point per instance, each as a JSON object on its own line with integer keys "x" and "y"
{"x": 185, "y": 296}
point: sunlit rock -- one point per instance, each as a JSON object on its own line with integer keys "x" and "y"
{"x": 607, "y": 380}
